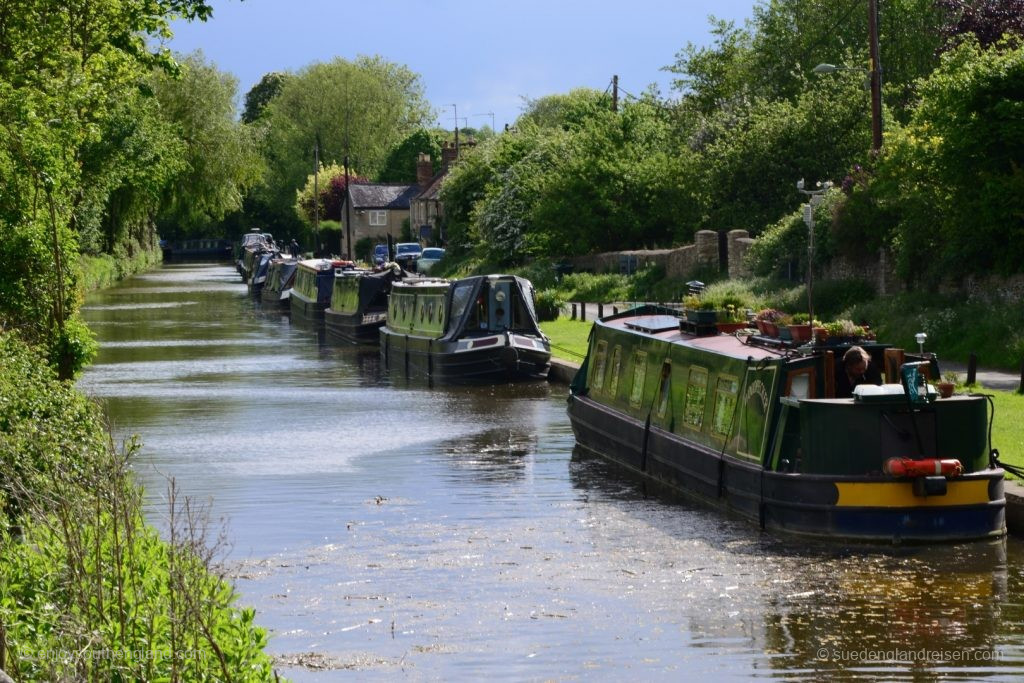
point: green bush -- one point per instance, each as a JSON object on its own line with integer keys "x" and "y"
{"x": 549, "y": 304}
{"x": 80, "y": 570}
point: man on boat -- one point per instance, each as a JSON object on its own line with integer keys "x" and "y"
{"x": 857, "y": 369}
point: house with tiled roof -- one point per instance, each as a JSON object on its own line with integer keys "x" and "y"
{"x": 378, "y": 209}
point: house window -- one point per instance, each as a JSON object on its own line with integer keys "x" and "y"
{"x": 378, "y": 217}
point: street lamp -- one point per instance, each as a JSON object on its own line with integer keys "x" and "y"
{"x": 813, "y": 201}
{"x": 874, "y": 73}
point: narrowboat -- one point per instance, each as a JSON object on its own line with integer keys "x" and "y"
{"x": 754, "y": 427}
{"x": 280, "y": 278}
{"x": 248, "y": 250}
{"x": 314, "y": 282}
{"x": 477, "y": 329}
{"x": 261, "y": 267}
{"x": 359, "y": 304}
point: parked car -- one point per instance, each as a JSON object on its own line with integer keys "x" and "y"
{"x": 407, "y": 254}
{"x": 429, "y": 258}
{"x": 380, "y": 253}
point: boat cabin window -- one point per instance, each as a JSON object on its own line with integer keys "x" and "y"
{"x": 664, "y": 391}
{"x": 800, "y": 383}
{"x": 616, "y": 366}
{"x": 599, "y": 363}
{"x": 696, "y": 396}
{"x": 461, "y": 297}
{"x": 725, "y": 406}
{"x": 639, "y": 376}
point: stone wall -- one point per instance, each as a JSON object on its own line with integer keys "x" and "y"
{"x": 740, "y": 242}
{"x": 680, "y": 262}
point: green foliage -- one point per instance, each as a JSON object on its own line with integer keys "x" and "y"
{"x": 363, "y": 108}
{"x": 573, "y": 110}
{"x": 330, "y": 182}
{"x": 400, "y": 164}
{"x": 548, "y": 303}
{"x": 781, "y": 250}
{"x": 220, "y": 155}
{"x": 750, "y": 166}
{"x": 83, "y": 573}
{"x": 947, "y": 195}
{"x": 596, "y": 288}
{"x": 260, "y": 95}
{"x": 956, "y": 327}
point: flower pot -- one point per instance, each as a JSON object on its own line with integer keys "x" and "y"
{"x": 702, "y": 317}
{"x": 945, "y": 389}
{"x": 820, "y": 335}
{"x": 800, "y": 333}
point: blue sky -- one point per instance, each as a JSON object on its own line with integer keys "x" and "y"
{"x": 481, "y": 56}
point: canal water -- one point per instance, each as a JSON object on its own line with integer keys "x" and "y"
{"x": 382, "y": 528}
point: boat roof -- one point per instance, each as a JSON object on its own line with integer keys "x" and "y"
{"x": 665, "y": 326}
{"x": 319, "y": 264}
{"x": 423, "y": 282}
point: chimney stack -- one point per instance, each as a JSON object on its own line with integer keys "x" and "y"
{"x": 449, "y": 155}
{"x": 424, "y": 171}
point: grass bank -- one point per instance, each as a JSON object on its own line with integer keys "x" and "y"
{"x": 82, "y": 573}
{"x": 568, "y": 338}
{"x": 106, "y": 269}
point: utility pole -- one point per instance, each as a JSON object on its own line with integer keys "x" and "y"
{"x": 615, "y": 93}
{"x": 348, "y": 194}
{"x": 456, "y": 110}
{"x": 348, "y": 213}
{"x": 876, "y": 78}
{"x": 316, "y": 194}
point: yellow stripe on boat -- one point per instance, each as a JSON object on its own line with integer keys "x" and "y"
{"x": 900, "y": 494}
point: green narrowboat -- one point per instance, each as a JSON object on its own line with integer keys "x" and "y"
{"x": 477, "y": 329}
{"x": 280, "y": 278}
{"x": 750, "y": 427}
{"x": 359, "y": 304}
{"x": 314, "y": 282}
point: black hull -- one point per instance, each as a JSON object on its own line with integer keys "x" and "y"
{"x": 351, "y": 329}
{"x": 312, "y": 310}
{"x": 426, "y": 358}
{"x": 807, "y": 505}
{"x": 270, "y": 297}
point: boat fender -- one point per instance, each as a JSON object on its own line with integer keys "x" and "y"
{"x": 905, "y": 467}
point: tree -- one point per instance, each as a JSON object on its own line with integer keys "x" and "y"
{"x": 987, "y": 20}
{"x": 362, "y": 109}
{"x": 221, "y": 158}
{"x": 68, "y": 72}
{"x": 400, "y": 165}
{"x": 332, "y": 187}
{"x": 260, "y": 95}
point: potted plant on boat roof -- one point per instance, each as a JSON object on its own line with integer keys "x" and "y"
{"x": 706, "y": 314}
{"x": 800, "y": 327}
{"x": 947, "y": 385}
{"x": 732, "y": 319}
{"x": 767, "y": 321}
{"x": 843, "y": 332}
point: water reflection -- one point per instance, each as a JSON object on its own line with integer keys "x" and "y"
{"x": 881, "y": 611}
{"x": 386, "y": 526}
